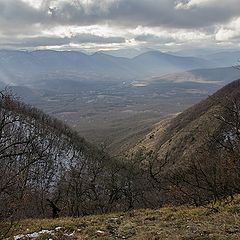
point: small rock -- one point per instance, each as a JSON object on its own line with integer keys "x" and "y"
{"x": 71, "y": 234}
{"x": 58, "y": 228}
{"x": 100, "y": 233}
{"x": 18, "y": 237}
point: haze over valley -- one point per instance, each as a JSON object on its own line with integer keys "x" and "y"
{"x": 112, "y": 68}
{"x": 113, "y": 100}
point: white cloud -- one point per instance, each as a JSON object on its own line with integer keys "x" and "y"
{"x": 195, "y": 3}
{"x": 229, "y": 32}
{"x": 34, "y": 3}
{"x": 119, "y": 22}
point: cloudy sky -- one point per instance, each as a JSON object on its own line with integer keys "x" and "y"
{"x": 112, "y": 24}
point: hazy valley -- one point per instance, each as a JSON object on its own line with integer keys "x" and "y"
{"x": 113, "y": 100}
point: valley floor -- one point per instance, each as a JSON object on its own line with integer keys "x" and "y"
{"x": 183, "y": 222}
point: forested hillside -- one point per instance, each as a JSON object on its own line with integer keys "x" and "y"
{"x": 43, "y": 160}
{"x": 191, "y": 158}
{"x": 40, "y": 157}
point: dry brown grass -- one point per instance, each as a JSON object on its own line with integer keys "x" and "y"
{"x": 169, "y": 222}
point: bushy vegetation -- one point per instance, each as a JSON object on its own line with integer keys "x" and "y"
{"x": 42, "y": 158}
{"x": 37, "y": 152}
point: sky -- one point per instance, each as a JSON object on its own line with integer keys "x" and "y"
{"x": 94, "y": 25}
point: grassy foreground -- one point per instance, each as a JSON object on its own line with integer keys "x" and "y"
{"x": 183, "y": 222}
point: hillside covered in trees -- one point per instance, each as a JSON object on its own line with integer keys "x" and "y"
{"x": 192, "y": 158}
{"x": 43, "y": 161}
{"x": 40, "y": 158}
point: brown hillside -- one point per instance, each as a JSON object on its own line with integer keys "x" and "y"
{"x": 181, "y": 137}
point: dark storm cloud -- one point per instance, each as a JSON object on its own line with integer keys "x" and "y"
{"x": 121, "y": 12}
{"x": 16, "y": 12}
{"x": 165, "y": 13}
{"x": 147, "y": 13}
{"x": 18, "y": 18}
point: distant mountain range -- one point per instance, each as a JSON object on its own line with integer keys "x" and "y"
{"x": 215, "y": 75}
{"x": 29, "y": 73}
{"x": 24, "y": 67}
{"x": 224, "y": 59}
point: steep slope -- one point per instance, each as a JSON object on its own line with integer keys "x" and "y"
{"x": 177, "y": 133}
{"x": 39, "y": 157}
{"x": 197, "y": 151}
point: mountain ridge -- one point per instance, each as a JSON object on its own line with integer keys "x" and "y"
{"x": 29, "y": 65}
